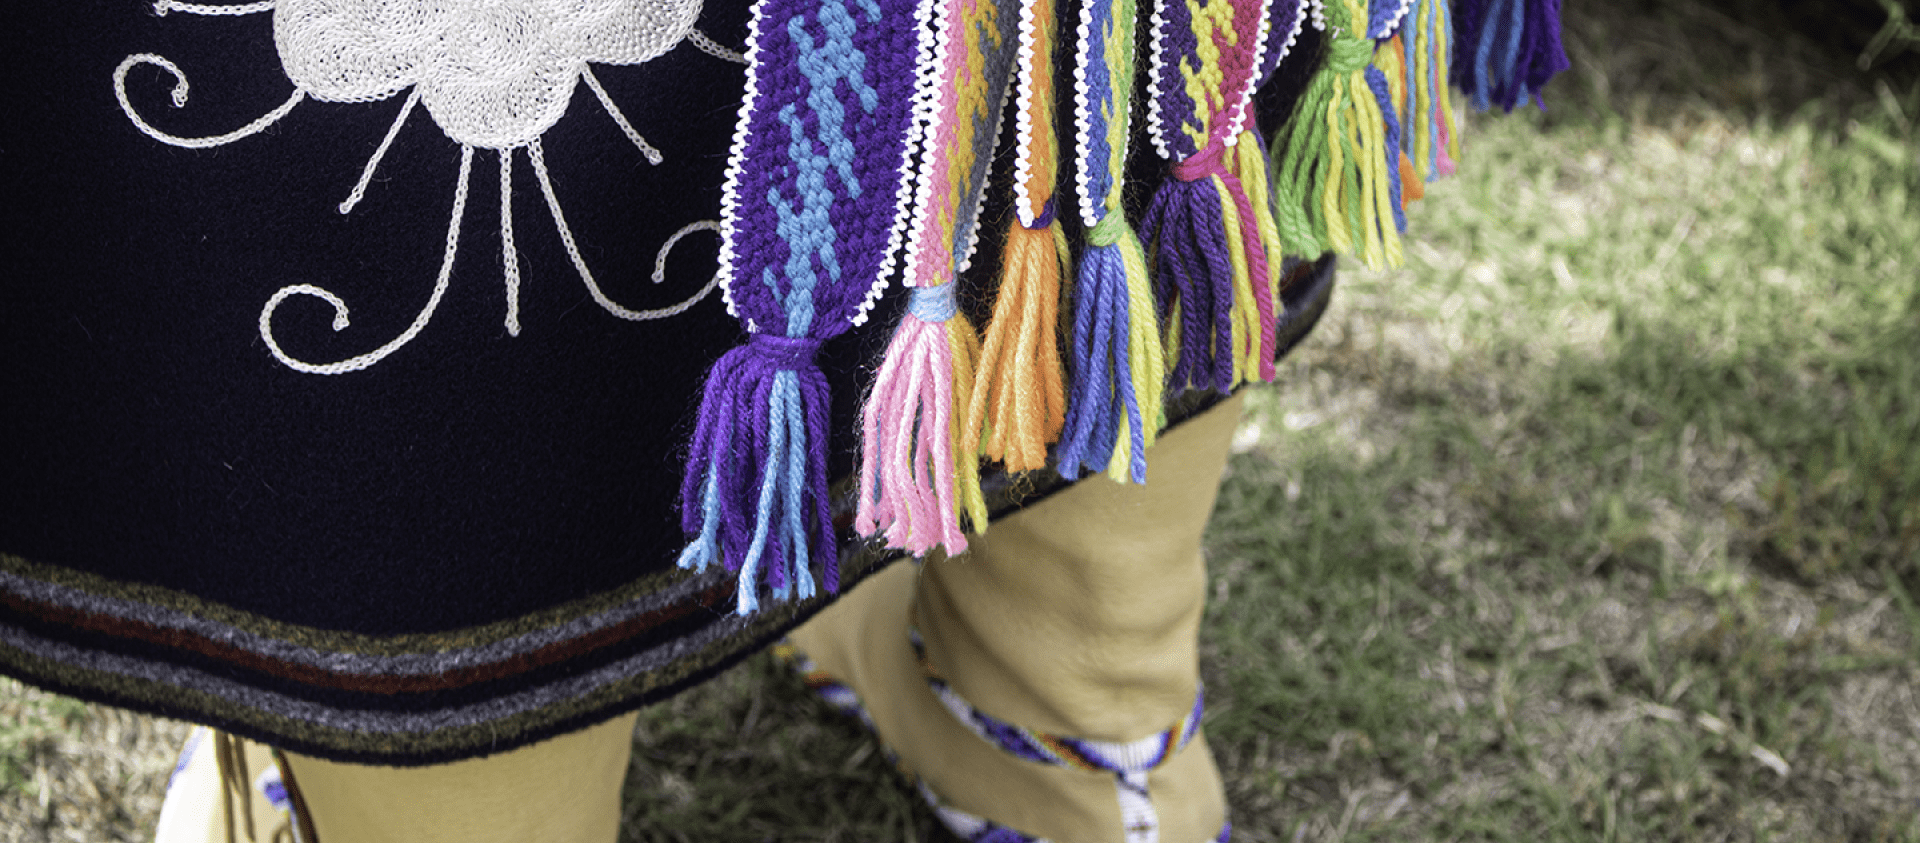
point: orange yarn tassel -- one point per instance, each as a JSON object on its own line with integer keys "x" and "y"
{"x": 1020, "y": 401}
{"x": 1412, "y": 186}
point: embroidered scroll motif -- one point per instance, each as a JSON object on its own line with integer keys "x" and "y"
{"x": 492, "y": 74}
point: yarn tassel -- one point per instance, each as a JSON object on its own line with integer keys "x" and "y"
{"x": 1019, "y": 402}
{"x": 1018, "y": 406}
{"x": 813, "y": 212}
{"x": 1510, "y": 49}
{"x": 1200, "y": 224}
{"x": 1117, "y": 372}
{"x": 1390, "y": 150}
{"x": 1332, "y": 182}
{"x": 1197, "y": 269}
{"x": 916, "y": 472}
{"x": 920, "y": 468}
{"x": 1429, "y": 126}
{"x": 759, "y": 505}
{"x": 1250, "y": 166}
{"x": 1115, "y": 404}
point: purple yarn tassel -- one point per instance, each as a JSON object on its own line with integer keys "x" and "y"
{"x": 819, "y": 165}
{"x": 1506, "y": 50}
{"x": 760, "y": 507}
{"x": 1186, "y": 228}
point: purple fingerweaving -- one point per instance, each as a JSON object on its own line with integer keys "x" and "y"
{"x": 820, "y": 154}
{"x": 1203, "y": 228}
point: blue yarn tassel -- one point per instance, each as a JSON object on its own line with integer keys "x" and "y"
{"x": 760, "y": 506}
{"x": 1377, "y": 80}
{"x": 1099, "y": 328}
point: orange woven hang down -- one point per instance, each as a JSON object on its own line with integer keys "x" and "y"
{"x": 1019, "y": 402}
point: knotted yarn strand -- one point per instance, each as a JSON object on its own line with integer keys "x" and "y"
{"x": 1250, "y": 166}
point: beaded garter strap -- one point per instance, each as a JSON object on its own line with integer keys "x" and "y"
{"x": 860, "y": 111}
{"x": 1129, "y": 762}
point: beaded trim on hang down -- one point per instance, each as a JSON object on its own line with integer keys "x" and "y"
{"x": 1384, "y": 18}
{"x": 1205, "y": 64}
{"x": 1103, "y": 82}
{"x": 1034, "y": 165}
{"x": 1285, "y": 21}
{"x": 965, "y": 825}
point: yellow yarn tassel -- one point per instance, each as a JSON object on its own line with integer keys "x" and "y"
{"x": 1357, "y": 205}
{"x": 964, "y": 343}
{"x": 1019, "y": 402}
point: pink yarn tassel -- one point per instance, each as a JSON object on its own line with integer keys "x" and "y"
{"x": 906, "y": 466}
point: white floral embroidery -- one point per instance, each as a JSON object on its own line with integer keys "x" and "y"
{"x": 493, "y": 74}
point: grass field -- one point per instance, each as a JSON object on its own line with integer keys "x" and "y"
{"x": 1600, "y": 520}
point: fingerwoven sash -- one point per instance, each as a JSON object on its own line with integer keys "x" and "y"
{"x": 820, "y": 157}
{"x": 1118, "y": 374}
{"x": 919, "y": 471}
{"x": 1129, "y": 762}
{"x": 1212, "y": 267}
{"x": 1285, "y": 19}
{"x": 1019, "y": 398}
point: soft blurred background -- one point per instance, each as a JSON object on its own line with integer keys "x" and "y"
{"x": 1598, "y": 521}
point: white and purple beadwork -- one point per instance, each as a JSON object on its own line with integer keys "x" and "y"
{"x": 1130, "y": 762}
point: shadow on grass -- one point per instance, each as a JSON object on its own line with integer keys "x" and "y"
{"x": 751, "y": 756}
{"x": 1550, "y": 606}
